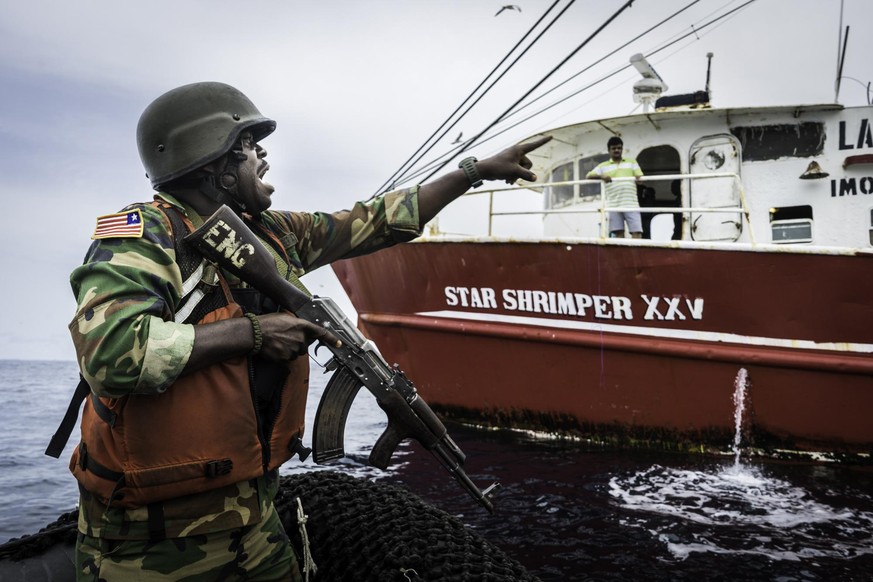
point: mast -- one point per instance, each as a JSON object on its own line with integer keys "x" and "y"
{"x": 840, "y": 51}
{"x": 708, "y": 71}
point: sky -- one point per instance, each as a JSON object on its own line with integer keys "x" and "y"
{"x": 355, "y": 87}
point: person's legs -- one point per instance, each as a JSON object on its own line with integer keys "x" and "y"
{"x": 616, "y": 224}
{"x": 270, "y": 555}
{"x": 260, "y": 552}
{"x": 634, "y": 224}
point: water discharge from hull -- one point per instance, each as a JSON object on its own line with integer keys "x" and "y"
{"x": 740, "y": 385}
{"x": 738, "y": 509}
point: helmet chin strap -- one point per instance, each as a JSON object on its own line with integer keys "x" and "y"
{"x": 224, "y": 187}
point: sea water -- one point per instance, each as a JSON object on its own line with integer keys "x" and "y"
{"x": 37, "y": 488}
{"x": 566, "y": 510}
{"x": 740, "y": 509}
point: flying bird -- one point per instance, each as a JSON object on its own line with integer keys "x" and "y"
{"x": 458, "y": 139}
{"x": 508, "y": 7}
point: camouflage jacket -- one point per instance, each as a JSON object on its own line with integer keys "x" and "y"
{"x": 127, "y": 342}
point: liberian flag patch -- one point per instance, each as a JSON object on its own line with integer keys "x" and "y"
{"x": 123, "y": 224}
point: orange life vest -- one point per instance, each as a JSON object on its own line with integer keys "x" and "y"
{"x": 205, "y": 431}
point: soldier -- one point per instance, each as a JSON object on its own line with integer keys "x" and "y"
{"x": 197, "y": 384}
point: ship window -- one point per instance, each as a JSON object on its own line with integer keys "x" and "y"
{"x": 788, "y": 140}
{"x": 559, "y": 196}
{"x": 791, "y": 224}
{"x": 590, "y": 191}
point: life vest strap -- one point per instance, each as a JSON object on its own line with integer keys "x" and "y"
{"x": 103, "y": 411}
{"x": 87, "y": 463}
{"x": 62, "y": 435}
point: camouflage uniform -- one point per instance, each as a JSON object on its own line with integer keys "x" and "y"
{"x": 256, "y": 552}
{"x": 127, "y": 343}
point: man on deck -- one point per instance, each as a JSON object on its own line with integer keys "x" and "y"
{"x": 620, "y": 194}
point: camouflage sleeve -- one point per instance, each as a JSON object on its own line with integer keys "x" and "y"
{"x": 123, "y": 331}
{"x": 319, "y": 238}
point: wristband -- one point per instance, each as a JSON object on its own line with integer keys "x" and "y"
{"x": 469, "y": 167}
{"x": 256, "y": 330}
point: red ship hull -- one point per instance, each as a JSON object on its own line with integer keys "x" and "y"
{"x": 635, "y": 344}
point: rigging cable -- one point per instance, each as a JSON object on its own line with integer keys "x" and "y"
{"x": 627, "y": 66}
{"x": 597, "y": 62}
{"x": 390, "y": 182}
{"x": 600, "y": 29}
{"x": 452, "y": 152}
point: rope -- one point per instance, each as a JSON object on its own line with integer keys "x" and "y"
{"x": 308, "y": 562}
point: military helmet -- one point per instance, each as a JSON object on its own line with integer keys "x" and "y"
{"x": 190, "y": 126}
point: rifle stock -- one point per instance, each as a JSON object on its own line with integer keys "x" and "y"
{"x": 226, "y": 240}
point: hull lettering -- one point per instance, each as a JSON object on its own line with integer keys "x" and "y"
{"x": 579, "y": 305}
{"x": 850, "y": 140}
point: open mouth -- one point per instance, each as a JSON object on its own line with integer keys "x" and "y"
{"x": 263, "y": 169}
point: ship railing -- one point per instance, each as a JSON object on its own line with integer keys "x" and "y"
{"x": 742, "y": 207}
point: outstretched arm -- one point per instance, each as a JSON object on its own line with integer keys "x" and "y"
{"x": 509, "y": 165}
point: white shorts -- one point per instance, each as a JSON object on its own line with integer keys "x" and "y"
{"x": 633, "y": 220}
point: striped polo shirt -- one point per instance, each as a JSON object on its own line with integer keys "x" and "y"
{"x": 624, "y": 193}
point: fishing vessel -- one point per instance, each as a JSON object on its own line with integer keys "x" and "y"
{"x": 756, "y": 255}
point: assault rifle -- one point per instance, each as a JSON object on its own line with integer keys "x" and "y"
{"x": 226, "y": 240}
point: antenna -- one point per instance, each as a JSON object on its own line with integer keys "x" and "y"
{"x": 708, "y": 69}
{"x": 839, "y": 50}
{"x": 649, "y": 88}
{"x": 841, "y": 63}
